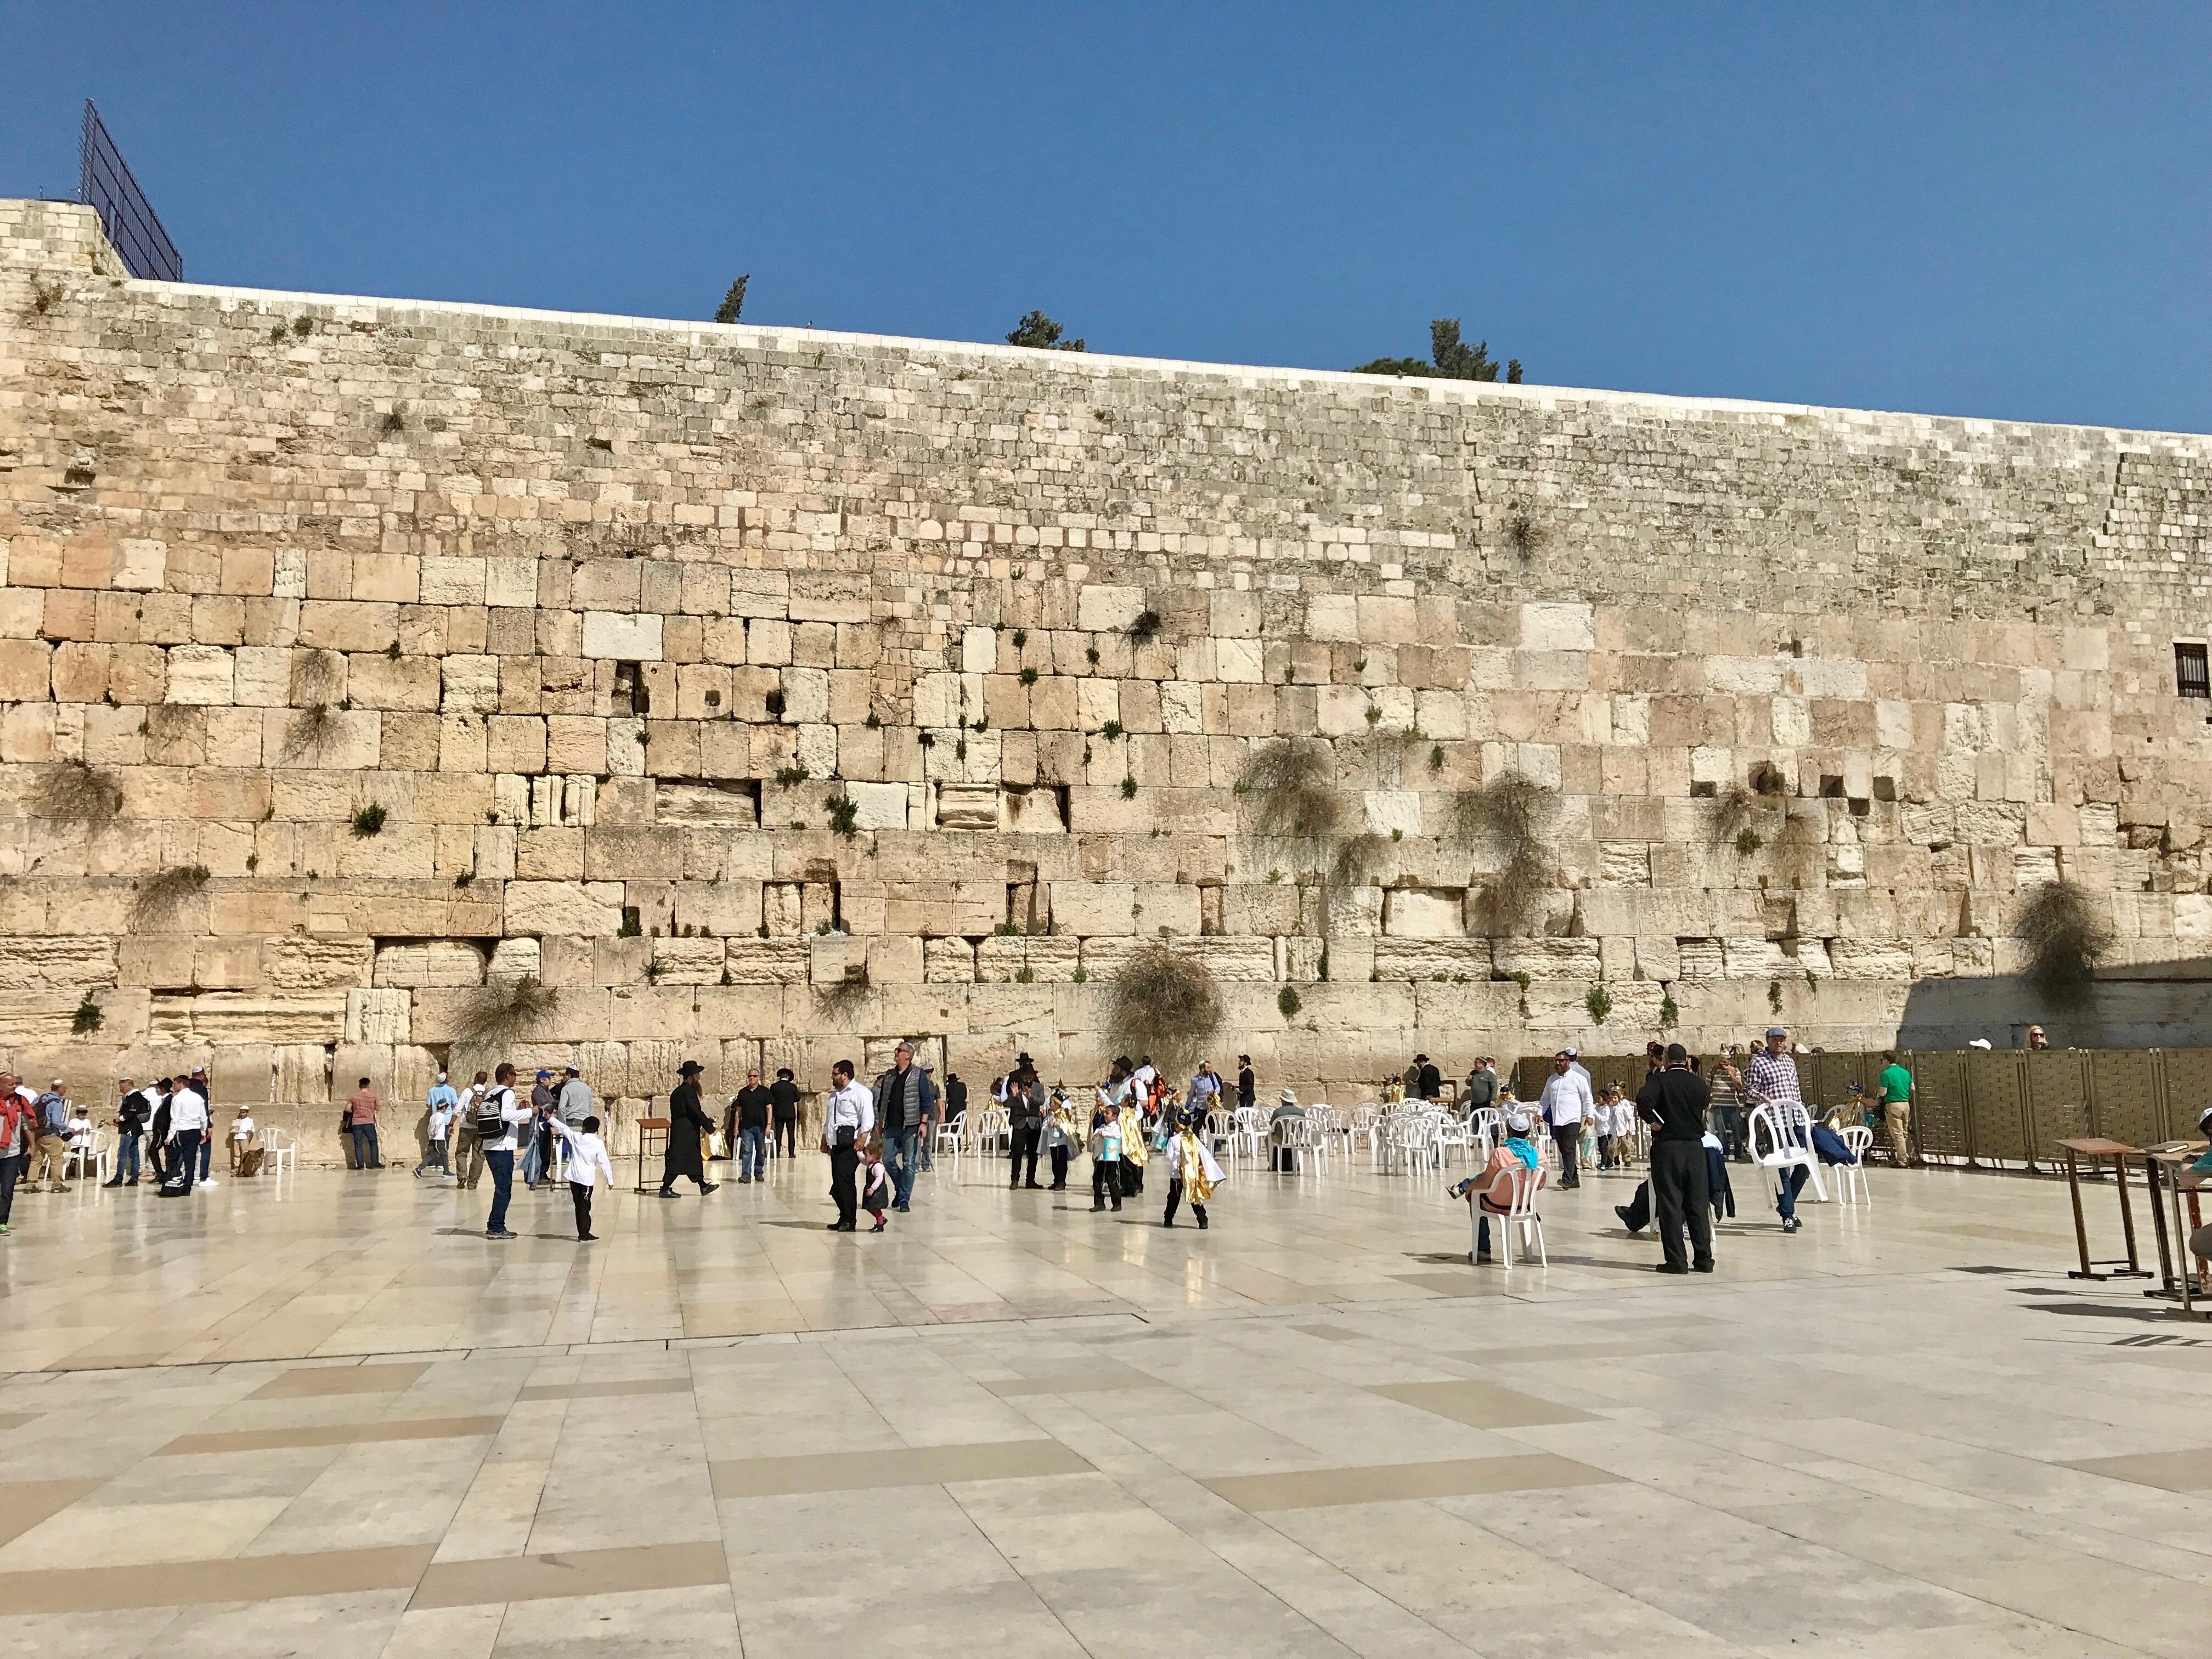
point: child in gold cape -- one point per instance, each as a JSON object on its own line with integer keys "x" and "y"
{"x": 1191, "y": 1167}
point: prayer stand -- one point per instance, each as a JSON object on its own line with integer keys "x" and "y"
{"x": 2119, "y": 1152}
{"x": 649, "y": 1127}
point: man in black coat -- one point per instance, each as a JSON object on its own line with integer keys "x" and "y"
{"x": 1025, "y": 1121}
{"x": 1673, "y": 1101}
{"x": 783, "y": 1103}
{"x": 1247, "y": 1086}
{"x": 131, "y": 1116}
{"x": 687, "y": 1121}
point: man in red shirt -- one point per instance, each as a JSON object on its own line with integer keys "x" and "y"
{"x": 361, "y": 1123}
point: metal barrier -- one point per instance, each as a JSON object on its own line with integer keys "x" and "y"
{"x": 105, "y": 184}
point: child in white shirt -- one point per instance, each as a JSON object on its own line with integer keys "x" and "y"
{"x": 242, "y": 1138}
{"x": 587, "y": 1161}
{"x": 875, "y": 1189}
{"x": 78, "y": 1129}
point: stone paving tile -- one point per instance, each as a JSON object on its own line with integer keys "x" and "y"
{"x": 1849, "y": 1444}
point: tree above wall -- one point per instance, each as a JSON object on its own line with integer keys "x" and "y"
{"x": 1040, "y": 332}
{"x": 1450, "y": 358}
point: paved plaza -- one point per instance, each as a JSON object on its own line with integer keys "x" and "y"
{"x": 326, "y": 1416}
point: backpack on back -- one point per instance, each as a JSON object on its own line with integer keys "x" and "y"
{"x": 490, "y": 1121}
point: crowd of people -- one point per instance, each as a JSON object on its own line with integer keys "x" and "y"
{"x": 1697, "y": 1119}
{"x": 50, "y": 1139}
{"x": 1688, "y": 1118}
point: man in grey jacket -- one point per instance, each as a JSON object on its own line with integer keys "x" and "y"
{"x": 906, "y": 1100}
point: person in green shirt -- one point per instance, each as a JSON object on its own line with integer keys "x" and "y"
{"x": 1896, "y": 1085}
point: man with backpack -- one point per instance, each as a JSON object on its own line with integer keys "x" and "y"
{"x": 499, "y": 1118}
{"x": 906, "y": 1102}
{"x": 51, "y": 1113}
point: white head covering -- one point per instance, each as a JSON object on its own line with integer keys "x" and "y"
{"x": 1517, "y": 1123}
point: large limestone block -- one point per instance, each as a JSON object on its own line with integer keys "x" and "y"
{"x": 307, "y": 962}
{"x": 767, "y": 961}
{"x": 586, "y": 908}
{"x": 1425, "y": 913}
{"x": 200, "y": 674}
{"x": 878, "y": 806}
{"x": 33, "y": 964}
{"x": 1101, "y": 608}
{"x": 378, "y": 1016}
{"x": 612, "y": 634}
{"x": 1543, "y": 960}
{"x": 1403, "y": 959}
{"x": 1085, "y": 908}
{"x": 444, "y": 962}
{"x": 1862, "y": 958}
{"x": 948, "y": 961}
{"x": 687, "y": 961}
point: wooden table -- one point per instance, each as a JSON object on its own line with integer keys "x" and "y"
{"x": 2173, "y": 1160}
{"x": 2119, "y": 1152}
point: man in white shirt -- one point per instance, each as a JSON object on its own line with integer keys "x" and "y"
{"x": 846, "y": 1122}
{"x": 188, "y": 1130}
{"x": 500, "y": 1109}
{"x": 1564, "y": 1103}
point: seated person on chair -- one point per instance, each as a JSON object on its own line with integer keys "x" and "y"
{"x": 2193, "y": 1181}
{"x": 1492, "y": 1191}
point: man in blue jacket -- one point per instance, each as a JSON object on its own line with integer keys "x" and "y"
{"x": 906, "y": 1102}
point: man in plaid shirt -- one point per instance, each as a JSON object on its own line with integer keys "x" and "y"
{"x": 1770, "y": 1079}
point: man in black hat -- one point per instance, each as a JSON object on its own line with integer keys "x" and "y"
{"x": 687, "y": 1121}
{"x": 783, "y": 1107}
{"x": 1673, "y": 1101}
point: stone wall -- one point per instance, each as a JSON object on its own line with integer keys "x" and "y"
{"x": 768, "y": 694}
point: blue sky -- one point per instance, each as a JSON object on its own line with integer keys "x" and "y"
{"x": 1980, "y": 209}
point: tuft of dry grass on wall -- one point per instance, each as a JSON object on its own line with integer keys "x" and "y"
{"x": 505, "y": 1010}
{"x": 1292, "y": 790}
{"x": 317, "y": 678}
{"x": 161, "y": 897}
{"x": 1733, "y": 807}
{"x": 2065, "y": 938}
{"x": 1166, "y": 1005}
{"x": 80, "y": 793}
{"x": 1359, "y": 859}
{"x": 1510, "y": 815}
{"x": 843, "y": 995}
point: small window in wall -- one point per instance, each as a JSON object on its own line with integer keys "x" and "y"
{"x": 2192, "y": 674}
{"x": 631, "y": 695}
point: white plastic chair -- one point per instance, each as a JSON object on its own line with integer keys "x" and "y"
{"x": 990, "y": 1132}
{"x": 1521, "y": 1216}
{"x": 98, "y": 1153}
{"x": 1321, "y": 1122}
{"x": 1782, "y": 1139}
{"x": 1453, "y": 1135}
{"x": 947, "y": 1143}
{"x": 278, "y": 1148}
{"x": 1850, "y": 1178}
{"x": 1365, "y": 1116}
{"x": 1251, "y": 1136}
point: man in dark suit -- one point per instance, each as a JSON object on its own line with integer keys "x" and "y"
{"x": 687, "y": 1123}
{"x": 783, "y": 1104}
